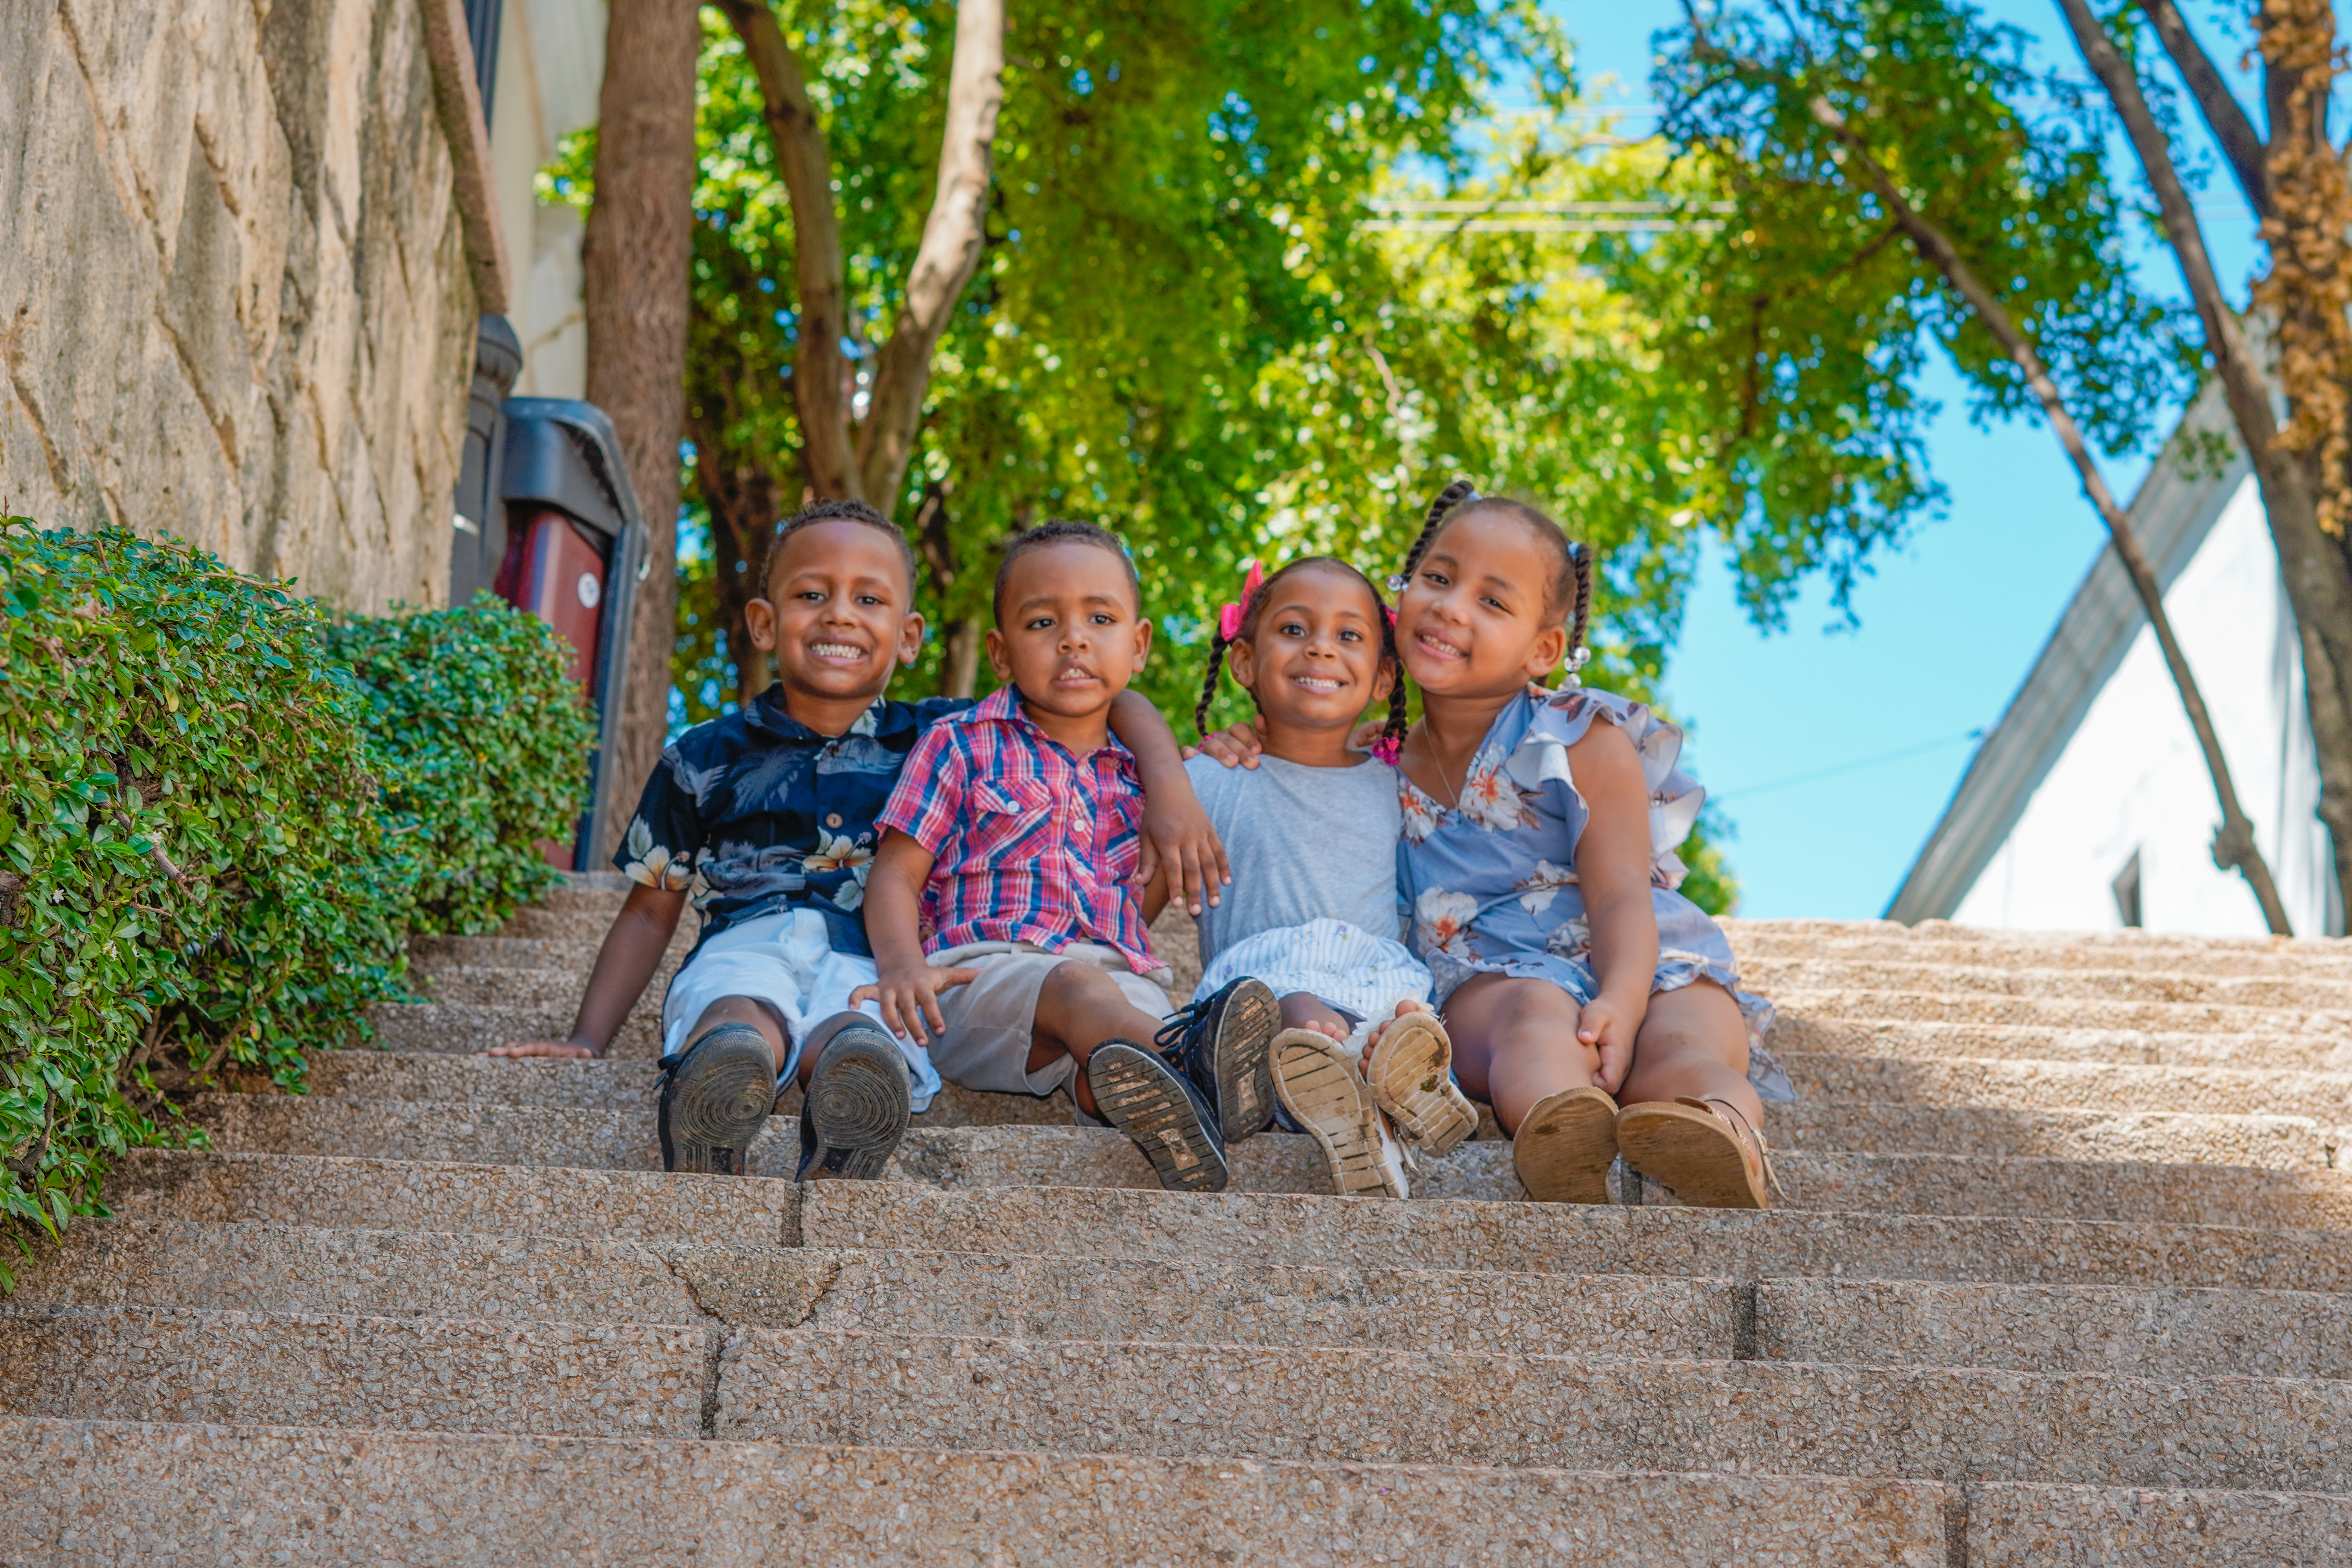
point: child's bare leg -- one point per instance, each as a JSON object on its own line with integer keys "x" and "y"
{"x": 1515, "y": 1043}
{"x": 1693, "y": 1042}
{"x": 1078, "y": 1008}
{"x": 1303, "y": 1009}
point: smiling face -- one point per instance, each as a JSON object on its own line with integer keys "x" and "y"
{"x": 1069, "y": 634}
{"x": 1474, "y": 620}
{"x": 1314, "y": 661}
{"x": 839, "y": 612}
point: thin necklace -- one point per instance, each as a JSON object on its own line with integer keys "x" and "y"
{"x": 1439, "y": 769}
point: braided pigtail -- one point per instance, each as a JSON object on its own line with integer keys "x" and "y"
{"x": 1452, "y": 496}
{"x": 1392, "y": 740}
{"x": 1217, "y": 646}
{"x": 1580, "y": 560}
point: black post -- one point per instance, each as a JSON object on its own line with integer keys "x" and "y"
{"x": 480, "y": 545}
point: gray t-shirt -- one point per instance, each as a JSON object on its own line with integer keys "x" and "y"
{"x": 1305, "y": 843}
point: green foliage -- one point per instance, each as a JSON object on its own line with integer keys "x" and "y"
{"x": 196, "y": 867}
{"x": 476, "y": 731}
{"x": 1808, "y": 320}
{"x": 1709, "y": 883}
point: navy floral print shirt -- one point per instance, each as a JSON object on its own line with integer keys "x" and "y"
{"x": 756, "y": 812}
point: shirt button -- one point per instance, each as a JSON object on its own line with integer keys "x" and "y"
{"x": 833, "y": 821}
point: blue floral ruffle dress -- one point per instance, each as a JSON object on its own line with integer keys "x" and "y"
{"x": 1489, "y": 886}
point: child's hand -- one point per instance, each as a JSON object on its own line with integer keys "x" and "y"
{"x": 1177, "y": 837}
{"x": 910, "y": 996}
{"x": 1605, "y": 1025}
{"x": 1238, "y": 746}
{"x": 575, "y": 1049}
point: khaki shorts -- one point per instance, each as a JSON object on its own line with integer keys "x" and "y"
{"x": 992, "y": 1022}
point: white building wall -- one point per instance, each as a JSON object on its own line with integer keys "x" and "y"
{"x": 2132, "y": 781}
{"x": 550, "y": 68}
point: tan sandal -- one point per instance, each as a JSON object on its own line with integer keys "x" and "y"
{"x": 1412, "y": 1073}
{"x": 1317, "y": 1080}
{"x": 1708, "y": 1158}
{"x": 1564, "y": 1146}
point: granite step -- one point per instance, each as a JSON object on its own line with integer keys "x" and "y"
{"x": 1939, "y": 942}
{"x": 270, "y": 1268}
{"x": 1793, "y": 976}
{"x": 467, "y": 1028}
{"x": 104, "y": 1493}
{"x": 274, "y": 1267}
{"x": 2158, "y": 1333}
{"x": 2305, "y": 1196}
{"x": 1318, "y": 1231}
{"x": 1385, "y": 1406}
{"x": 2325, "y": 1097}
{"x": 449, "y": 1375}
{"x": 624, "y": 1139}
{"x": 2057, "y": 1012}
{"x": 419, "y": 1196}
{"x": 1913, "y": 1040}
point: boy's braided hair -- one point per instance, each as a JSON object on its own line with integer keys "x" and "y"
{"x": 817, "y": 512}
{"x": 1057, "y": 531}
{"x": 1567, "y": 598}
{"x": 1392, "y": 732}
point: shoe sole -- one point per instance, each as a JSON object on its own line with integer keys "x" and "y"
{"x": 859, "y": 1104}
{"x": 1141, "y": 1097}
{"x": 717, "y": 1101}
{"x": 1244, "y": 1059}
{"x": 1413, "y": 1080}
{"x": 1322, "y": 1090}
{"x": 1692, "y": 1153}
{"x": 1564, "y": 1147}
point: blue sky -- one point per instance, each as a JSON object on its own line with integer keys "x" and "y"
{"x": 1949, "y": 625}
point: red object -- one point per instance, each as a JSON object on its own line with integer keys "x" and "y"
{"x": 559, "y": 578}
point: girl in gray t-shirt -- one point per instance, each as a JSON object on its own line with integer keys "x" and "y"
{"x": 1312, "y": 833}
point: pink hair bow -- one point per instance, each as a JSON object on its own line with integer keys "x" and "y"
{"x": 1229, "y": 617}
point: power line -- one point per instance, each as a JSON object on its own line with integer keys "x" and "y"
{"x": 1844, "y": 768}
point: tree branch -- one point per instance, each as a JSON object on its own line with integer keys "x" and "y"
{"x": 2234, "y": 846}
{"x": 948, "y": 256}
{"x": 804, "y": 158}
{"x": 2240, "y": 144}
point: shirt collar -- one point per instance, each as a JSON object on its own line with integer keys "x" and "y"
{"x": 768, "y": 712}
{"x": 1003, "y": 706}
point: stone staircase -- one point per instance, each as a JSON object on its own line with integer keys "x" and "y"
{"x": 2063, "y": 1275}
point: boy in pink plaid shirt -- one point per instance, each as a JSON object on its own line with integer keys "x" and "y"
{"x": 1007, "y": 932}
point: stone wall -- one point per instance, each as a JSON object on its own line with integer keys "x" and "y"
{"x": 234, "y": 303}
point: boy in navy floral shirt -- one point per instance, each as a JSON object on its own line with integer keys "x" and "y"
{"x": 764, "y": 819}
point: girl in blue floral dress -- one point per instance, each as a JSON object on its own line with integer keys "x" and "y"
{"x": 1537, "y": 865}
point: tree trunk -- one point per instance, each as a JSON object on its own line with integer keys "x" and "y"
{"x": 743, "y": 498}
{"x": 634, "y": 261}
{"x": 873, "y": 465}
{"x": 2234, "y": 846}
{"x": 2317, "y": 573}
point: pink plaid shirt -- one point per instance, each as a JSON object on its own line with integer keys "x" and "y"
{"x": 1028, "y": 842}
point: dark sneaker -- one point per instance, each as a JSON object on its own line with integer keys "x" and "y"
{"x": 1224, "y": 1045}
{"x": 715, "y": 1098}
{"x": 1172, "y": 1122}
{"x": 859, "y": 1098}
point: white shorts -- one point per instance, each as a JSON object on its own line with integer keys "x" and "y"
{"x": 787, "y": 961}
{"x": 1343, "y": 965}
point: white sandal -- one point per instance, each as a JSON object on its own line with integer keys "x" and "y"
{"x": 1315, "y": 1080}
{"x": 1411, "y": 1074}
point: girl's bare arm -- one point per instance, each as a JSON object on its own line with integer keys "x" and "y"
{"x": 632, "y": 952}
{"x": 1612, "y": 867}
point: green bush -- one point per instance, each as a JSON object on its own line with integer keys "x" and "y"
{"x": 477, "y": 733}
{"x": 214, "y": 837}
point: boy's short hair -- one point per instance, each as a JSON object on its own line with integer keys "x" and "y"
{"x": 1060, "y": 531}
{"x": 817, "y": 512}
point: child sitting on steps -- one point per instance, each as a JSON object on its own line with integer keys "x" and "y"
{"x": 1315, "y": 823}
{"x": 1538, "y": 857}
{"x": 1005, "y": 921}
{"x": 764, "y": 819}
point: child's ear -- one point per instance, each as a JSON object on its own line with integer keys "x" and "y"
{"x": 999, "y": 659}
{"x": 1551, "y": 648}
{"x": 910, "y": 638}
{"x": 1142, "y": 643}
{"x": 1384, "y": 680}
{"x": 1240, "y": 663}
{"x": 760, "y": 620}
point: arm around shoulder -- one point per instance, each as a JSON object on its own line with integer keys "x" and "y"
{"x": 1179, "y": 840}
